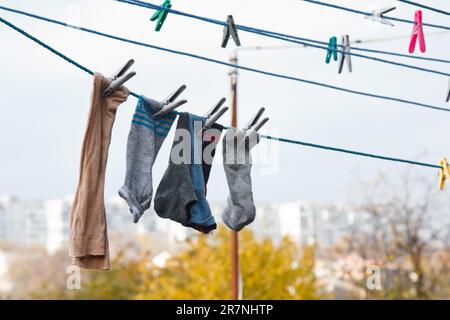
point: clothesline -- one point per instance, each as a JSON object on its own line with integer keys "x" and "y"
{"x": 425, "y": 7}
{"x": 298, "y": 40}
{"x": 259, "y": 71}
{"x": 285, "y": 140}
{"x": 368, "y": 13}
{"x": 359, "y": 41}
{"x": 268, "y": 33}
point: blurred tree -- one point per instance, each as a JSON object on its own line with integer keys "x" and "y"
{"x": 203, "y": 271}
{"x": 405, "y": 232}
{"x": 122, "y": 282}
{"x": 37, "y": 275}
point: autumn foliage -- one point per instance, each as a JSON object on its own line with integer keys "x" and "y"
{"x": 201, "y": 271}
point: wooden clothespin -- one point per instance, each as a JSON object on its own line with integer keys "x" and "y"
{"x": 161, "y": 15}
{"x": 332, "y": 50}
{"x": 444, "y": 173}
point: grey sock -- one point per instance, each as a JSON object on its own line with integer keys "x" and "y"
{"x": 176, "y": 194}
{"x": 144, "y": 141}
{"x": 211, "y": 138}
{"x": 201, "y": 216}
{"x": 240, "y": 209}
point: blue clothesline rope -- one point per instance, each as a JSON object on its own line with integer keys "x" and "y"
{"x": 425, "y": 7}
{"x": 285, "y": 140}
{"x": 263, "y": 136}
{"x": 268, "y": 33}
{"x": 362, "y": 154}
{"x": 195, "y": 56}
{"x": 299, "y": 40}
{"x": 368, "y": 13}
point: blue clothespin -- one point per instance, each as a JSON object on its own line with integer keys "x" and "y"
{"x": 161, "y": 15}
{"x": 332, "y": 50}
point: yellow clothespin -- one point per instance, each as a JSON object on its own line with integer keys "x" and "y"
{"x": 444, "y": 173}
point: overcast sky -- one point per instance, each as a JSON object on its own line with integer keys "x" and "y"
{"x": 44, "y": 102}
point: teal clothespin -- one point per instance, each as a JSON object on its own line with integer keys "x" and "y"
{"x": 332, "y": 50}
{"x": 161, "y": 15}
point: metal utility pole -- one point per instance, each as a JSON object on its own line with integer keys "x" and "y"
{"x": 235, "y": 272}
{"x": 234, "y": 234}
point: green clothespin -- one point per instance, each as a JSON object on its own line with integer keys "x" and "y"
{"x": 332, "y": 50}
{"x": 161, "y": 15}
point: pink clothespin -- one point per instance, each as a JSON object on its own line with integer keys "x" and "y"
{"x": 417, "y": 32}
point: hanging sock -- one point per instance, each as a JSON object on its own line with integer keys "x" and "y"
{"x": 181, "y": 194}
{"x": 417, "y": 33}
{"x": 211, "y": 138}
{"x": 175, "y": 194}
{"x": 240, "y": 209}
{"x": 201, "y": 217}
{"x": 146, "y": 136}
{"x": 88, "y": 243}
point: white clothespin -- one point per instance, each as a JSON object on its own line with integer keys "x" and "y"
{"x": 230, "y": 30}
{"x": 214, "y": 114}
{"x": 253, "y": 126}
{"x": 345, "y": 54}
{"x": 378, "y": 16}
{"x": 448, "y": 92}
{"x": 119, "y": 78}
{"x": 168, "y": 104}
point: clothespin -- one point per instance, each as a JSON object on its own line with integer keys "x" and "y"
{"x": 161, "y": 15}
{"x": 230, "y": 30}
{"x": 119, "y": 78}
{"x": 417, "y": 33}
{"x": 448, "y": 92}
{"x": 345, "y": 55}
{"x": 378, "y": 16}
{"x": 253, "y": 126}
{"x": 444, "y": 173}
{"x": 332, "y": 50}
{"x": 214, "y": 114}
{"x": 168, "y": 104}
